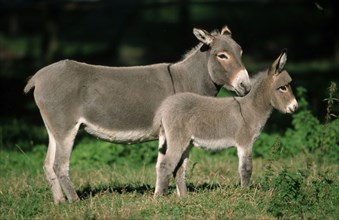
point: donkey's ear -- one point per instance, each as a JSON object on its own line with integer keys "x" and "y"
{"x": 279, "y": 63}
{"x": 203, "y": 36}
{"x": 226, "y": 31}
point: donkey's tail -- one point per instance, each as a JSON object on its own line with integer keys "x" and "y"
{"x": 29, "y": 85}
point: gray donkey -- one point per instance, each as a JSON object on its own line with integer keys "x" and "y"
{"x": 188, "y": 119}
{"x": 119, "y": 103}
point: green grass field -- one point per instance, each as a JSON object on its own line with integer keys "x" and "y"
{"x": 294, "y": 188}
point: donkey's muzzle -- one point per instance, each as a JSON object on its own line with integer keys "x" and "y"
{"x": 242, "y": 83}
{"x": 245, "y": 87}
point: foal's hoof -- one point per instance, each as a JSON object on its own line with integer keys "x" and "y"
{"x": 59, "y": 201}
{"x": 77, "y": 199}
{"x": 159, "y": 194}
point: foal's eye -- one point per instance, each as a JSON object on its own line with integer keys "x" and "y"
{"x": 283, "y": 88}
{"x": 222, "y": 56}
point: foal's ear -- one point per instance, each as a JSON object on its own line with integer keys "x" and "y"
{"x": 279, "y": 63}
{"x": 203, "y": 36}
{"x": 226, "y": 31}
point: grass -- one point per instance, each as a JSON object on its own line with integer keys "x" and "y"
{"x": 285, "y": 188}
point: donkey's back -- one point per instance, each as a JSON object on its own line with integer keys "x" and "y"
{"x": 70, "y": 92}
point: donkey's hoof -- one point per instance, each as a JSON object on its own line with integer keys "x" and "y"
{"x": 59, "y": 201}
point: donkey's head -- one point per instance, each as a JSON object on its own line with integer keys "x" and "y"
{"x": 281, "y": 93}
{"x": 224, "y": 63}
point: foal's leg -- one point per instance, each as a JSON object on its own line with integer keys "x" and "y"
{"x": 49, "y": 171}
{"x": 162, "y": 148}
{"x": 64, "y": 146}
{"x": 166, "y": 164}
{"x": 180, "y": 173}
{"x": 165, "y": 168}
{"x": 245, "y": 164}
{"x": 180, "y": 176}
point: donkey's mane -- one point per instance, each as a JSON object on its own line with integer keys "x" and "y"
{"x": 257, "y": 78}
{"x": 194, "y": 49}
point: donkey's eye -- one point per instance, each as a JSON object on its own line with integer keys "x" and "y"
{"x": 283, "y": 88}
{"x": 222, "y": 56}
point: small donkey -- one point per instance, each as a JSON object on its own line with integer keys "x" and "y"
{"x": 119, "y": 103}
{"x": 216, "y": 123}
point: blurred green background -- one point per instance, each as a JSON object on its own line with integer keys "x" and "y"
{"x": 35, "y": 33}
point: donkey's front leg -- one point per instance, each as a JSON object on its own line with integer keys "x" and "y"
{"x": 245, "y": 164}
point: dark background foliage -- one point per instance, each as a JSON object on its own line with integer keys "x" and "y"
{"x": 35, "y": 33}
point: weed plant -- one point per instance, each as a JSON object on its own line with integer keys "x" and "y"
{"x": 308, "y": 135}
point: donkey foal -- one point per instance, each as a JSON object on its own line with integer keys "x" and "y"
{"x": 185, "y": 119}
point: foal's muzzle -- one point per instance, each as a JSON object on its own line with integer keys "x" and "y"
{"x": 292, "y": 107}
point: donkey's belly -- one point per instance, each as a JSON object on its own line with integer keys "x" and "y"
{"x": 213, "y": 144}
{"x": 119, "y": 136}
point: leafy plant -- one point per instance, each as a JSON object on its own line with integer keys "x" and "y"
{"x": 92, "y": 152}
{"x": 286, "y": 190}
{"x": 299, "y": 191}
{"x": 308, "y": 135}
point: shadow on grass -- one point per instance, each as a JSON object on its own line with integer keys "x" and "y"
{"x": 209, "y": 187}
{"x": 89, "y": 191}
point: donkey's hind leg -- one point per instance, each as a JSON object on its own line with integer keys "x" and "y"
{"x": 49, "y": 171}
{"x": 62, "y": 160}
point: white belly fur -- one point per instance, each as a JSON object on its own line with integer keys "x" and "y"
{"x": 211, "y": 144}
{"x": 118, "y": 136}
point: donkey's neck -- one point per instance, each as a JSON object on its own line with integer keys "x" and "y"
{"x": 256, "y": 106}
{"x": 191, "y": 74}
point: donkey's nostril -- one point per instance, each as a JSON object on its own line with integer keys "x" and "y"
{"x": 242, "y": 86}
{"x": 245, "y": 87}
{"x": 241, "y": 89}
{"x": 293, "y": 108}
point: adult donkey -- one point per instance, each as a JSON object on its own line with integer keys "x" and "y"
{"x": 118, "y": 103}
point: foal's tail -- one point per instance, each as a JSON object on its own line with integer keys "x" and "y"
{"x": 161, "y": 114}
{"x": 157, "y": 121}
{"x": 160, "y": 131}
